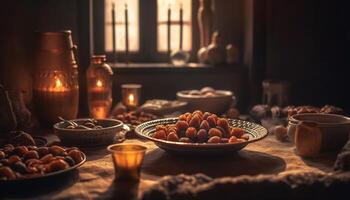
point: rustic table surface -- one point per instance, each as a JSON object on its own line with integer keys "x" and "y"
{"x": 95, "y": 179}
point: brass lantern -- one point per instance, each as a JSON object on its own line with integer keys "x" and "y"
{"x": 99, "y": 87}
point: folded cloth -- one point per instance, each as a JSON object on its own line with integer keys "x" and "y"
{"x": 308, "y": 185}
{"x": 343, "y": 159}
{"x": 292, "y": 186}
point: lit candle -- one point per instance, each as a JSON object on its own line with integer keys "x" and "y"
{"x": 99, "y": 83}
{"x": 55, "y": 98}
{"x": 131, "y": 99}
{"x": 126, "y": 34}
{"x": 127, "y": 160}
{"x": 168, "y": 28}
{"x": 131, "y": 95}
{"x": 113, "y": 34}
{"x": 100, "y": 100}
{"x": 58, "y": 86}
{"x": 181, "y": 26}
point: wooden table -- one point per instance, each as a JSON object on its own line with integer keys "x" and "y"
{"x": 95, "y": 179}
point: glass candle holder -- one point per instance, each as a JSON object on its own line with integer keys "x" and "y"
{"x": 131, "y": 95}
{"x": 55, "y": 94}
{"x": 99, "y": 87}
{"x": 127, "y": 160}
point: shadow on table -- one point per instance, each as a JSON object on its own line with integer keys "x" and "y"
{"x": 38, "y": 187}
{"x": 244, "y": 162}
{"x": 126, "y": 190}
{"x": 323, "y": 162}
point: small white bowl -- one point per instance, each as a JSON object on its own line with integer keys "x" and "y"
{"x": 94, "y": 137}
{"x": 214, "y": 104}
{"x": 335, "y": 128}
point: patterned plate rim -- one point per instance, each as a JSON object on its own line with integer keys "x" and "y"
{"x": 140, "y": 132}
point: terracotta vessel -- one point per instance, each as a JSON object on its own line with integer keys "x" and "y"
{"x": 56, "y": 89}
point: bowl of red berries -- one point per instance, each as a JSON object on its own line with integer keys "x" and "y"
{"x": 201, "y": 133}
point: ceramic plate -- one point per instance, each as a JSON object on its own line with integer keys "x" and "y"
{"x": 256, "y": 132}
{"x": 48, "y": 175}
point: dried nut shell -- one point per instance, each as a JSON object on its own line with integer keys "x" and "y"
{"x": 160, "y": 134}
{"x": 195, "y": 121}
{"x": 238, "y": 132}
{"x": 185, "y": 140}
{"x": 7, "y": 173}
{"x": 214, "y": 132}
{"x": 69, "y": 160}
{"x": 76, "y": 155}
{"x": 191, "y": 132}
{"x": 233, "y": 139}
{"x": 2, "y": 154}
{"x": 211, "y": 120}
{"x": 42, "y": 151}
{"x": 214, "y": 139}
{"x": 181, "y": 125}
{"x": 56, "y": 150}
{"x": 202, "y": 135}
{"x": 223, "y": 123}
{"x": 173, "y": 137}
{"x": 31, "y": 154}
{"x": 204, "y": 125}
{"x": 58, "y": 165}
{"x": 13, "y": 159}
{"x": 47, "y": 158}
{"x": 20, "y": 150}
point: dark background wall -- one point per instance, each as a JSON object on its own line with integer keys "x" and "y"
{"x": 20, "y": 19}
{"x": 305, "y": 42}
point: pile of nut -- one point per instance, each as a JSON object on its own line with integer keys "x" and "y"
{"x": 88, "y": 124}
{"x": 205, "y": 92}
{"x": 135, "y": 117}
{"x": 31, "y": 161}
{"x": 199, "y": 127}
{"x": 327, "y": 109}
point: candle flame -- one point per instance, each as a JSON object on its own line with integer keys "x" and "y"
{"x": 99, "y": 83}
{"x": 58, "y": 83}
{"x": 131, "y": 98}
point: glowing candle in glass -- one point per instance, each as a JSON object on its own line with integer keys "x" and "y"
{"x": 131, "y": 95}
{"x": 127, "y": 160}
{"x": 55, "y": 81}
{"x": 55, "y": 96}
{"x": 99, "y": 85}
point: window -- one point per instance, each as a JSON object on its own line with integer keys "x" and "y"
{"x": 147, "y": 28}
{"x": 133, "y": 24}
{"x": 162, "y": 41}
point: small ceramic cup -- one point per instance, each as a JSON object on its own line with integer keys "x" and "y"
{"x": 334, "y": 129}
{"x": 127, "y": 160}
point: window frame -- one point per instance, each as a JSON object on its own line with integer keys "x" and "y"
{"x": 148, "y": 34}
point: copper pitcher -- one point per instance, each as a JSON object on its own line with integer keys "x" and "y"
{"x": 56, "y": 89}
